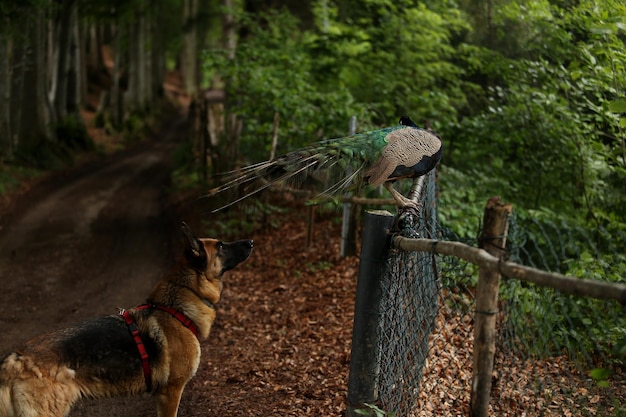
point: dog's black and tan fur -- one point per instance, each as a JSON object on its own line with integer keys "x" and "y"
{"x": 99, "y": 358}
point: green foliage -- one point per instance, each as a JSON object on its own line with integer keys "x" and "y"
{"x": 539, "y": 143}
{"x": 535, "y": 116}
{"x": 44, "y": 154}
{"x": 377, "y": 65}
{"x": 546, "y": 323}
{"x": 601, "y": 375}
{"x": 244, "y": 220}
{"x": 186, "y": 175}
{"x": 373, "y": 410}
{"x": 608, "y": 333}
{"x": 396, "y": 57}
{"x": 460, "y": 203}
{"x": 138, "y": 124}
{"x": 548, "y": 124}
{"x": 11, "y": 177}
{"x": 272, "y": 72}
{"x": 7, "y": 181}
{"x": 318, "y": 266}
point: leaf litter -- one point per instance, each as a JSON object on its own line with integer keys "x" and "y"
{"x": 281, "y": 343}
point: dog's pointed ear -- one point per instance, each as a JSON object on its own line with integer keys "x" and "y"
{"x": 194, "y": 250}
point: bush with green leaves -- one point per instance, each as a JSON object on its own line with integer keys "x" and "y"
{"x": 272, "y": 72}
{"x": 395, "y": 57}
{"x": 548, "y": 124}
{"x": 542, "y": 322}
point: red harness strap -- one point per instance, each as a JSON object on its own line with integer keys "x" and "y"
{"x": 143, "y": 353}
{"x": 134, "y": 331}
{"x": 185, "y": 321}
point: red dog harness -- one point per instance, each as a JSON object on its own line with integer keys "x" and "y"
{"x": 134, "y": 331}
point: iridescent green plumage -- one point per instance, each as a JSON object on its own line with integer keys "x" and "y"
{"x": 376, "y": 157}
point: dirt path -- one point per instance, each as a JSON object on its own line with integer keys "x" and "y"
{"x": 84, "y": 243}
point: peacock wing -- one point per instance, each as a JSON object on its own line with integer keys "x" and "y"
{"x": 407, "y": 148}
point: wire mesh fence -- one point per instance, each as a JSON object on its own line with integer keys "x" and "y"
{"x": 556, "y": 354}
{"x": 408, "y": 313}
{"x": 409, "y": 306}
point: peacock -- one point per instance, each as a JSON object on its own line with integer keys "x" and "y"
{"x": 378, "y": 157}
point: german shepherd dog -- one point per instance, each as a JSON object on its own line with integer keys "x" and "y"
{"x": 152, "y": 348}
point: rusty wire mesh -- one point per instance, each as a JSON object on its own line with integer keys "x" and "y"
{"x": 556, "y": 355}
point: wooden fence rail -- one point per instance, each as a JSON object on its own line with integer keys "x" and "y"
{"x": 569, "y": 285}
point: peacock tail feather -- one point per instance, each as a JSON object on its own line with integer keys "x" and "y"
{"x": 341, "y": 164}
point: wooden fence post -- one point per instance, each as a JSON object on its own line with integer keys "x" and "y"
{"x": 492, "y": 240}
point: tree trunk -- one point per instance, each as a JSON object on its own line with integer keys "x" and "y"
{"x": 116, "y": 109}
{"x": 157, "y": 58}
{"x": 189, "y": 58}
{"x": 32, "y": 113}
{"x": 93, "y": 53}
{"x": 203, "y": 24}
{"x": 17, "y": 70}
{"x": 74, "y": 74}
{"x": 232, "y": 124}
{"x": 52, "y": 36}
{"x": 6, "y": 144}
{"x": 63, "y": 47}
{"x": 136, "y": 93}
{"x": 82, "y": 39}
{"x": 48, "y": 114}
{"x": 145, "y": 46}
{"x": 229, "y": 30}
{"x": 132, "y": 92}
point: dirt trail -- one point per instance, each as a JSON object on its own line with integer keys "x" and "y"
{"x": 84, "y": 243}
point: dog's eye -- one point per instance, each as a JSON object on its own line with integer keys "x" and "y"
{"x": 220, "y": 245}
